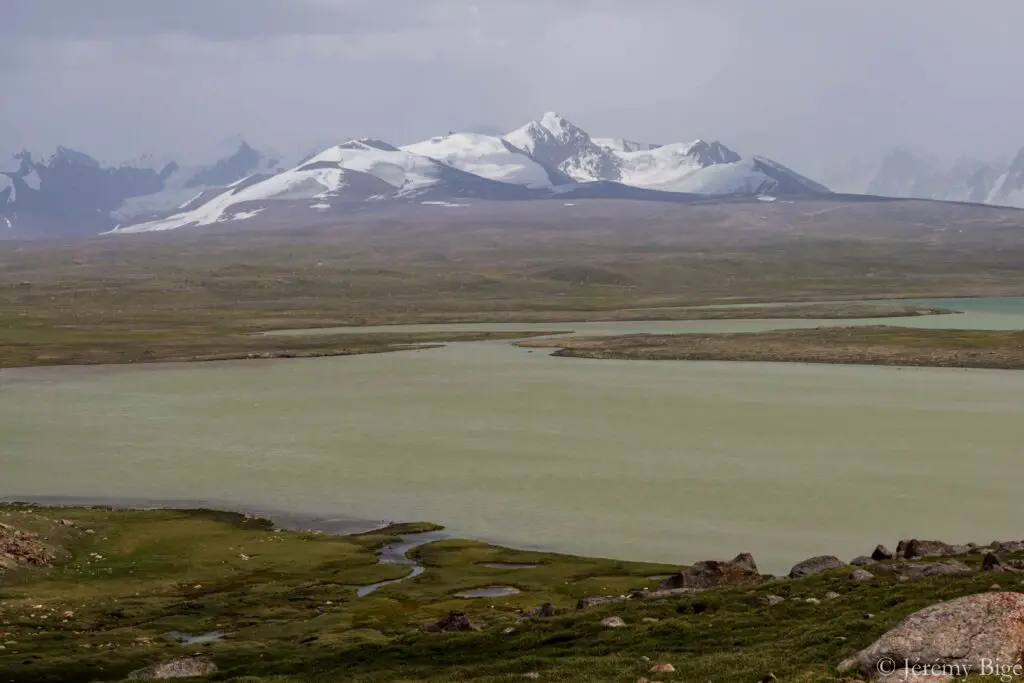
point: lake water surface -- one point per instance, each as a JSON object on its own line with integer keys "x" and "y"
{"x": 664, "y": 461}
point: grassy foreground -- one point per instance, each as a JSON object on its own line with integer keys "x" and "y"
{"x": 874, "y": 345}
{"x": 123, "y": 580}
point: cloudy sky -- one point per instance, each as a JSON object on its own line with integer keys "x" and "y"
{"x": 807, "y": 82}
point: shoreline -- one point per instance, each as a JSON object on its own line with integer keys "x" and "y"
{"x": 338, "y": 525}
{"x": 877, "y": 345}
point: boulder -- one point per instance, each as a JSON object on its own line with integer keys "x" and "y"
{"x": 992, "y": 563}
{"x": 915, "y": 548}
{"x": 613, "y": 622}
{"x": 739, "y": 571}
{"x": 957, "y": 637}
{"x": 455, "y": 621}
{"x": 184, "y": 667}
{"x": 863, "y": 561}
{"x": 861, "y": 575}
{"x": 815, "y": 565}
{"x": 881, "y": 553}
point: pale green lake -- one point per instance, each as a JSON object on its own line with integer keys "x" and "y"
{"x": 666, "y": 461}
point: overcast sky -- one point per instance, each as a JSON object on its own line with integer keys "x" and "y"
{"x": 802, "y": 81}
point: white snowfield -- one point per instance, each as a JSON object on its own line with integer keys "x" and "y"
{"x": 544, "y": 155}
{"x": 484, "y": 155}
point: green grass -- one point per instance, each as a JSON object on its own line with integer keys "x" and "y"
{"x": 204, "y": 292}
{"x": 292, "y": 615}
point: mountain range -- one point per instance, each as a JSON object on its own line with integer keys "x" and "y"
{"x": 71, "y": 194}
{"x": 908, "y": 174}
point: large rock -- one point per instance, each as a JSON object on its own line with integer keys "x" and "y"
{"x": 920, "y": 570}
{"x": 915, "y": 548}
{"x": 881, "y": 553}
{"x": 815, "y": 565}
{"x": 962, "y": 636}
{"x": 739, "y": 571}
{"x": 185, "y": 667}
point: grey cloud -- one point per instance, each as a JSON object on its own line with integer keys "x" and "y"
{"x": 804, "y": 81}
{"x": 209, "y": 19}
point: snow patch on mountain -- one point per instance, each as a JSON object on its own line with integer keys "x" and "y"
{"x": 485, "y": 155}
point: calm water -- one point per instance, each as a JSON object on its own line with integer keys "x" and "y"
{"x": 666, "y": 461}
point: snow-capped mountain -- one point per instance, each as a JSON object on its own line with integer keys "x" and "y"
{"x": 544, "y": 159}
{"x": 904, "y": 173}
{"x": 698, "y": 167}
{"x": 1007, "y": 188}
{"x": 556, "y": 143}
{"x": 183, "y": 184}
{"x": 354, "y": 171}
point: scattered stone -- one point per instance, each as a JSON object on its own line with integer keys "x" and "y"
{"x": 831, "y": 595}
{"x": 773, "y": 599}
{"x": 861, "y": 575}
{"x": 769, "y": 678}
{"x": 1007, "y": 546}
{"x": 739, "y": 571}
{"x": 881, "y": 553}
{"x": 185, "y": 667}
{"x": 812, "y": 601}
{"x": 662, "y": 669}
{"x": 66, "y": 522}
{"x": 613, "y": 622}
{"x": 869, "y": 615}
{"x": 862, "y": 561}
{"x": 995, "y": 587}
{"x": 967, "y": 632}
{"x": 531, "y": 674}
{"x": 509, "y": 631}
{"x": 243, "y": 556}
{"x": 586, "y": 603}
{"x": 545, "y": 610}
{"x": 650, "y": 620}
{"x": 455, "y": 621}
{"x": 645, "y": 658}
{"x": 815, "y": 565}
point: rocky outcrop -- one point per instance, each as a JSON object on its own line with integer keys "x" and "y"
{"x": 954, "y": 638}
{"x": 739, "y": 571}
{"x": 915, "y": 548}
{"x": 920, "y": 570}
{"x": 185, "y": 667}
{"x": 22, "y": 548}
{"x": 815, "y": 565}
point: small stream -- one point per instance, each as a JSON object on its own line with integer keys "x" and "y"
{"x": 395, "y": 553}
